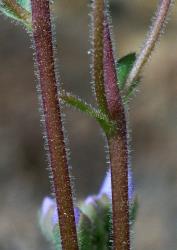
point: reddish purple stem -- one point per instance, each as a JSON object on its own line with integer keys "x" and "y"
{"x": 43, "y": 45}
{"x": 118, "y": 148}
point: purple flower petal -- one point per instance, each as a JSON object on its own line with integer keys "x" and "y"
{"x": 91, "y": 200}
{"x": 47, "y": 204}
{"x": 49, "y": 209}
{"x": 106, "y": 186}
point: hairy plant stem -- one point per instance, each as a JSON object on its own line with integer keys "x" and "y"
{"x": 118, "y": 151}
{"x": 42, "y": 35}
{"x": 98, "y": 74}
{"x": 150, "y": 42}
{"x": 118, "y": 148}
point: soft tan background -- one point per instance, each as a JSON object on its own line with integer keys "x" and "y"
{"x": 153, "y": 121}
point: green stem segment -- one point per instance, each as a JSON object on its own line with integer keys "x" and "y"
{"x": 151, "y": 40}
{"x": 118, "y": 148}
{"x": 107, "y": 125}
{"x": 98, "y": 74}
{"x": 43, "y": 45}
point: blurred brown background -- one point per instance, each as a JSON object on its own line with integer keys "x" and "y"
{"x": 153, "y": 122}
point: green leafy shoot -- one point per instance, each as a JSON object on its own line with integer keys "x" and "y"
{"x": 85, "y": 229}
{"x": 18, "y": 10}
{"x": 123, "y": 67}
{"x": 99, "y": 213}
{"x": 133, "y": 211}
{"x": 56, "y": 238}
{"x": 107, "y": 125}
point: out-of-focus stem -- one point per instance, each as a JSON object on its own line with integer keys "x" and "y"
{"x": 42, "y": 35}
{"x": 150, "y": 41}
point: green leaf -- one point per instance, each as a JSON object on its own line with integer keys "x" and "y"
{"x": 49, "y": 230}
{"x": 85, "y": 229}
{"x": 123, "y": 66}
{"x": 99, "y": 212}
{"x": 56, "y": 239}
{"x": 26, "y": 4}
{"x": 107, "y": 125}
{"x": 19, "y": 10}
